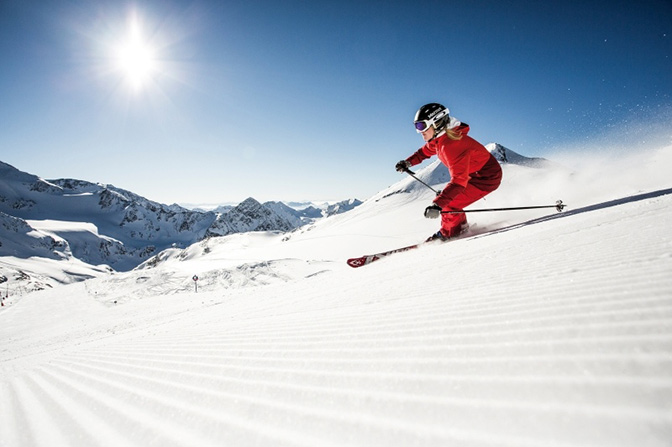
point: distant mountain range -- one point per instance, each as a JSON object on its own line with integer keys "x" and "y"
{"x": 105, "y": 225}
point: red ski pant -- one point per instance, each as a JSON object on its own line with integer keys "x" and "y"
{"x": 450, "y": 223}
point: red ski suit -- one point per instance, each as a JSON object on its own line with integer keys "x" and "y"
{"x": 474, "y": 173}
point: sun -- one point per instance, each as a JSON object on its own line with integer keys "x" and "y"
{"x": 135, "y": 58}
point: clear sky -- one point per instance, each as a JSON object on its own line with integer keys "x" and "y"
{"x": 215, "y": 101}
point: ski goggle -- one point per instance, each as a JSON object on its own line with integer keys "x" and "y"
{"x": 422, "y": 126}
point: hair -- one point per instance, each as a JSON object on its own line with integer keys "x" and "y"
{"x": 453, "y": 134}
{"x": 442, "y": 125}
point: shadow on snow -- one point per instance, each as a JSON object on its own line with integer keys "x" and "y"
{"x": 585, "y": 209}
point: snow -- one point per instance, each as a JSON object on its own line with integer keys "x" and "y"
{"x": 539, "y": 329}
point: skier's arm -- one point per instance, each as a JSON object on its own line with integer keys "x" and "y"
{"x": 419, "y": 156}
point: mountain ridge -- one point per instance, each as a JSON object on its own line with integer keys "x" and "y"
{"x": 109, "y": 228}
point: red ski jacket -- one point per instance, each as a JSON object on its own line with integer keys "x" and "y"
{"x": 468, "y": 161}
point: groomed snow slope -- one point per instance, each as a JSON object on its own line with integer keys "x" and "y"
{"x": 554, "y": 331}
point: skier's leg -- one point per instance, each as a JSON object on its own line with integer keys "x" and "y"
{"x": 452, "y": 224}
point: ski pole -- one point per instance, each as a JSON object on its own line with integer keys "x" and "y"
{"x": 558, "y": 206}
{"x": 412, "y": 174}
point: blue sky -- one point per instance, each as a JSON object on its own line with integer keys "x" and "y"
{"x": 314, "y": 100}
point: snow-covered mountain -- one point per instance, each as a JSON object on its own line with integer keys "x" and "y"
{"x": 102, "y": 225}
{"x": 342, "y": 207}
{"x": 507, "y": 156}
{"x": 251, "y": 215}
{"x": 95, "y": 223}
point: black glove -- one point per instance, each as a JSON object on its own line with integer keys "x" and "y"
{"x": 432, "y": 212}
{"x": 403, "y": 166}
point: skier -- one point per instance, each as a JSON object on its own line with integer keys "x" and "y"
{"x": 474, "y": 172}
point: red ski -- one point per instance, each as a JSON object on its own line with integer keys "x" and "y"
{"x": 368, "y": 259}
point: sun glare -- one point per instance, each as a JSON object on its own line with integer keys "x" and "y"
{"x": 135, "y": 58}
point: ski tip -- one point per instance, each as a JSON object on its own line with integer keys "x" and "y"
{"x": 356, "y": 262}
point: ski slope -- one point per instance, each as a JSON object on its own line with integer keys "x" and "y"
{"x": 538, "y": 330}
